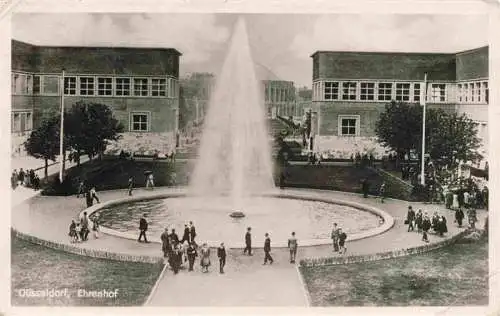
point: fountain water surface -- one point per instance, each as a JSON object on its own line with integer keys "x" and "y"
{"x": 235, "y": 152}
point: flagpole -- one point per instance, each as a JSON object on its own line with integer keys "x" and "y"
{"x": 61, "y": 134}
{"x": 422, "y": 173}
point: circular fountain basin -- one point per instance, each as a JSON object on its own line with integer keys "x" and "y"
{"x": 310, "y": 218}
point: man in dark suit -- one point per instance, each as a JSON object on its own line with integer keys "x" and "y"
{"x": 165, "y": 243}
{"x": 143, "y": 227}
{"x": 248, "y": 242}
{"x": 174, "y": 239}
{"x": 267, "y": 250}
{"x": 221, "y": 253}
{"x": 185, "y": 236}
{"x": 192, "y": 232}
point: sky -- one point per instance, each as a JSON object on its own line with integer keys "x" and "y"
{"x": 282, "y": 43}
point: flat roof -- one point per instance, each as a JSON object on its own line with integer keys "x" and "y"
{"x": 398, "y": 53}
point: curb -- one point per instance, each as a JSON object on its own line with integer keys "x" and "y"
{"x": 99, "y": 254}
{"x": 157, "y": 283}
{"x": 305, "y": 290}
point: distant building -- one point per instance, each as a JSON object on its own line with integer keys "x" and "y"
{"x": 140, "y": 85}
{"x": 350, "y": 89}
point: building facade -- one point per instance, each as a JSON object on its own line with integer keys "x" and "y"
{"x": 351, "y": 89}
{"x": 140, "y": 85}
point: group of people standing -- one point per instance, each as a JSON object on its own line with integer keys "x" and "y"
{"x": 26, "y": 178}
{"x": 338, "y": 238}
{"x": 79, "y": 232}
{"x": 422, "y": 222}
{"x": 87, "y": 191}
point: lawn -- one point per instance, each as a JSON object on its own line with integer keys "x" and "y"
{"x": 39, "y": 268}
{"x": 454, "y": 276}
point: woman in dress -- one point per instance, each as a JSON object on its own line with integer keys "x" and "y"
{"x": 205, "y": 257}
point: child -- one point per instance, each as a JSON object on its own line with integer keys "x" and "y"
{"x": 342, "y": 238}
{"x": 72, "y": 232}
{"x": 78, "y": 231}
{"x": 95, "y": 227}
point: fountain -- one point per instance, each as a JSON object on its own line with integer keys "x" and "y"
{"x": 235, "y": 154}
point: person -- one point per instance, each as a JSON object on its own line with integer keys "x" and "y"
{"x": 13, "y": 180}
{"x": 192, "y": 232}
{"x": 221, "y": 254}
{"x": 342, "y": 239}
{"x": 165, "y": 243}
{"x": 185, "y": 236}
{"x": 174, "y": 238}
{"x": 93, "y": 195}
{"x": 248, "y": 242}
{"x": 267, "y": 249}
{"x": 85, "y": 226}
{"x": 78, "y": 231}
{"x": 335, "y": 237}
{"x": 472, "y": 218}
{"x": 36, "y": 182}
{"x": 466, "y": 198}
{"x": 364, "y": 188}
{"x": 410, "y": 218}
{"x": 459, "y": 216}
{"x": 81, "y": 189}
{"x": 143, "y": 227}
{"x": 130, "y": 185}
{"x": 426, "y": 225}
{"x": 435, "y": 220}
{"x": 191, "y": 254}
{"x": 176, "y": 259}
{"x": 20, "y": 176}
{"x": 95, "y": 226}
{"x": 419, "y": 218}
{"x": 443, "y": 228}
{"x": 72, "y": 232}
{"x": 455, "y": 204}
{"x": 292, "y": 246}
{"x": 150, "y": 181}
{"x": 382, "y": 192}
{"x": 88, "y": 199}
{"x": 205, "y": 257}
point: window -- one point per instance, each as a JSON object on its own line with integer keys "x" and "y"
{"x": 87, "y": 86}
{"x": 466, "y": 92}
{"x": 122, "y": 86}
{"x": 50, "y": 85}
{"x": 16, "y": 122}
{"x": 13, "y": 82}
{"x": 139, "y": 121}
{"x": 367, "y": 91}
{"x": 70, "y": 85}
{"x": 486, "y": 94}
{"x": 348, "y": 125}
{"x": 29, "y": 85}
{"x": 385, "y": 91}
{"x": 416, "y": 92}
{"x": 36, "y": 85}
{"x": 331, "y": 90}
{"x": 402, "y": 91}
{"x": 478, "y": 92}
{"x": 460, "y": 92}
{"x": 438, "y": 92}
{"x": 349, "y": 91}
{"x": 28, "y": 125}
{"x": 105, "y": 86}
{"x": 159, "y": 87}
{"x": 141, "y": 87}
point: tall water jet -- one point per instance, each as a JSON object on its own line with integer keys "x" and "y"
{"x": 234, "y": 157}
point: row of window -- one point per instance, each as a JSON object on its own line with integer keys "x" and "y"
{"x": 279, "y": 94}
{"x": 22, "y": 121}
{"x": 94, "y": 86}
{"x": 400, "y": 91}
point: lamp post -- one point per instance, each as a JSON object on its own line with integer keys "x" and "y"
{"x": 61, "y": 134}
{"x": 422, "y": 164}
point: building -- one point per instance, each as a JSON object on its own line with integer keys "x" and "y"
{"x": 140, "y": 85}
{"x": 350, "y": 89}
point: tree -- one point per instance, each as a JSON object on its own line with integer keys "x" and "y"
{"x": 43, "y": 142}
{"x": 449, "y": 137}
{"x": 89, "y": 127}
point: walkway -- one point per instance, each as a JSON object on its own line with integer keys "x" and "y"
{"x": 246, "y": 282}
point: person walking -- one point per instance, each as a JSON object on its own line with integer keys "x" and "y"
{"x": 459, "y": 216}
{"x": 93, "y": 195}
{"x": 419, "y": 218}
{"x": 143, "y": 227}
{"x": 410, "y": 218}
{"x": 72, "y": 232}
{"x": 342, "y": 239}
{"x": 185, "y": 236}
{"x": 150, "y": 183}
{"x": 205, "y": 258}
{"x": 96, "y": 227}
{"x": 221, "y": 254}
{"x": 292, "y": 246}
{"x": 267, "y": 250}
{"x": 335, "y": 237}
{"x": 382, "y": 192}
{"x": 191, "y": 254}
{"x": 165, "y": 243}
{"x": 84, "y": 221}
{"x": 130, "y": 185}
{"x": 248, "y": 242}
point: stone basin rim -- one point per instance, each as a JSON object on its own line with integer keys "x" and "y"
{"x": 301, "y": 194}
